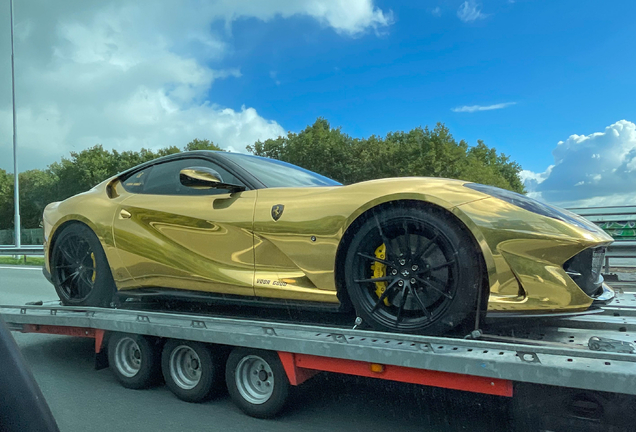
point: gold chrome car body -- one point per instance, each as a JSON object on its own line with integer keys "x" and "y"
{"x": 230, "y": 243}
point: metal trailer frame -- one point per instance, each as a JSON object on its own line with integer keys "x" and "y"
{"x": 559, "y": 373}
{"x": 555, "y": 352}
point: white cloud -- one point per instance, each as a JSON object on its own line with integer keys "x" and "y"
{"x": 529, "y": 176}
{"x": 345, "y": 16}
{"x": 531, "y": 180}
{"x": 437, "y": 12}
{"x": 588, "y": 170}
{"x": 128, "y": 74}
{"x": 475, "y": 108}
{"x": 470, "y": 11}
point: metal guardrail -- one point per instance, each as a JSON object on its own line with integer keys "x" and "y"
{"x": 32, "y": 239}
{"x": 23, "y": 250}
{"x": 604, "y": 214}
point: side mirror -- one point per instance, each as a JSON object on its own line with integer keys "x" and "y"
{"x": 199, "y": 177}
{"x": 205, "y": 178}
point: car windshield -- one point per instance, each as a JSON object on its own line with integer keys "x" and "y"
{"x": 274, "y": 173}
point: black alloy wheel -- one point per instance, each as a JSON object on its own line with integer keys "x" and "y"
{"x": 429, "y": 273}
{"x": 79, "y": 268}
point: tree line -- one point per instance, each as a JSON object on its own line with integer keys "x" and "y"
{"x": 319, "y": 147}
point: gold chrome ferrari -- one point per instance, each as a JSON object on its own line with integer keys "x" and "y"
{"x": 418, "y": 255}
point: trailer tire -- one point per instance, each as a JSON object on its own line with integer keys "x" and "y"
{"x": 257, "y": 382}
{"x": 191, "y": 370}
{"x": 134, "y": 359}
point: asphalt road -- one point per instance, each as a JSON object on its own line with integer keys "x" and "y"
{"x": 83, "y": 399}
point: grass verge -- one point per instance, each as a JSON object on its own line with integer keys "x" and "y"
{"x": 22, "y": 260}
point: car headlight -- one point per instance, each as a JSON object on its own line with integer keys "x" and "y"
{"x": 534, "y": 206}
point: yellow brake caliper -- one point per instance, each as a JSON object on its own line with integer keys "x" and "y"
{"x": 379, "y": 270}
{"x": 94, "y": 267}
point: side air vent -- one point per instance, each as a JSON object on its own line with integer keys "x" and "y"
{"x": 585, "y": 269}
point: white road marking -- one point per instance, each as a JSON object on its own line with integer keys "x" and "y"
{"x": 21, "y": 268}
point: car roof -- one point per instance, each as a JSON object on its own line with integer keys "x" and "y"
{"x": 215, "y": 156}
{"x": 205, "y": 153}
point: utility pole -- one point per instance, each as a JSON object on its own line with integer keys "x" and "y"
{"x": 16, "y": 177}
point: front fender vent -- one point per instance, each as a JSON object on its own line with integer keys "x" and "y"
{"x": 585, "y": 270}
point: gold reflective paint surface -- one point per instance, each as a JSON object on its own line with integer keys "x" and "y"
{"x": 283, "y": 247}
{"x": 232, "y": 244}
{"x": 202, "y": 243}
{"x": 527, "y": 252}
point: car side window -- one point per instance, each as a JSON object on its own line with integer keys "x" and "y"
{"x": 135, "y": 183}
{"x": 164, "y": 178}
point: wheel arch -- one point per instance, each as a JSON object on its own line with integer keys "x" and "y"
{"x": 67, "y": 221}
{"x": 460, "y": 219}
{"x": 61, "y": 226}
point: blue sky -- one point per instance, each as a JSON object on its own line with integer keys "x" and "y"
{"x": 565, "y": 64}
{"x": 522, "y": 75}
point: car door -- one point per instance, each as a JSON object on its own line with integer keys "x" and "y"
{"x": 176, "y": 237}
{"x": 296, "y": 235}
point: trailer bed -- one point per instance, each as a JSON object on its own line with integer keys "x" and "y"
{"x": 539, "y": 350}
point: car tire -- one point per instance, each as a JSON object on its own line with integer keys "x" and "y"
{"x": 134, "y": 359}
{"x": 430, "y": 271}
{"x": 191, "y": 370}
{"x": 257, "y": 382}
{"x": 79, "y": 268}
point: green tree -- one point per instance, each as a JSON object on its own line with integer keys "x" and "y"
{"x": 318, "y": 147}
{"x": 500, "y": 166}
{"x": 36, "y": 190}
{"x": 6, "y": 200}
{"x": 197, "y": 144}
{"x": 82, "y": 171}
{"x": 418, "y": 152}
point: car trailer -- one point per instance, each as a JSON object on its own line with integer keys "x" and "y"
{"x": 562, "y": 372}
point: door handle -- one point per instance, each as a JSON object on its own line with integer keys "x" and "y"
{"x": 125, "y": 214}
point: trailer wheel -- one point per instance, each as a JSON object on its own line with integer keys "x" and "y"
{"x": 191, "y": 370}
{"x": 134, "y": 359}
{"x": 257, "y": 382}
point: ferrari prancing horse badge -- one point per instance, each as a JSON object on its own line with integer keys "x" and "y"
{"x": 277, "y": 211}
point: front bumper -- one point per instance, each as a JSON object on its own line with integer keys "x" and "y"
{"x": 605, "y": 297}
{"x": 585, "y": 270}
{"x": 525, "y": 255}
